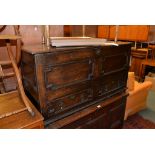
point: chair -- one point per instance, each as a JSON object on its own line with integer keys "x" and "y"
{"x": 15, "y": 101}
{"x": 138, "y": 93}
{"x": 138, "y": 55}
{"x": 148, "y": 62}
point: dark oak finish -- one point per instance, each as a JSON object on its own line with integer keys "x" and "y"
{"x": 66, "y": 80}
{"x": 107, "y": 114}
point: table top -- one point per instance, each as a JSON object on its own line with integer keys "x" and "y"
{"x": 42, "y": 48}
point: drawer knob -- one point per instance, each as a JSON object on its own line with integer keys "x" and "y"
{"x": 99, "y": 106}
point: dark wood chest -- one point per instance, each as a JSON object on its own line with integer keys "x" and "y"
{"x": 66, "y": 81}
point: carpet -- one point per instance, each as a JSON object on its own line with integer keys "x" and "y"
{"x": 138, "y": 122}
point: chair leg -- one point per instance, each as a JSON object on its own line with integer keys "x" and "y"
{"x": 18, "y": 51}
{"x": 19, "y": 80}
{"x": 2, "y": 88}
{"x": 142, "y": 69}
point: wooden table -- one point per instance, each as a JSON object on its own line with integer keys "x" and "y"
{"x": 138, "y": 55}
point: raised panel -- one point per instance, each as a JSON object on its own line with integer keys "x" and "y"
{"x": 114, "y": 81}
{"x": 111, "y": 84}
{"x": 67, "y": 56}
{"x": 68, "y": 74}
{"x": 114, "y": 63}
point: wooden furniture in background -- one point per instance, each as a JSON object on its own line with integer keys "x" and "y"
{"x": 152, "y": 47}
{"x": 13, "y": 63}
{"x": 103, "y": 31}
{"x": 125, "y": 32}
{"x": 80, "y": 30}
{"x": 67, "y": 30}
{"x": 148, "y": 61}
{"x": 13, "y": 103}
{"x": 144, "y": 63}
{"x": 67, "y": 80}
{"x": 131, "y": 32}
{"x": 137, "y": 56}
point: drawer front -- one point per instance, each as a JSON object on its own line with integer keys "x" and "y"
{"x": 68, "y": 74}
{"x": 106, "y": 117}
{"x": 90, "y": 121}
{"x": 114, "y": 63}
{"x": 114, "y": 58}
{"x": 67, "y": 56}
{"x": 64, "y": 91}
{"x": 68, "y": 102}
{"x": 97, "y": 122}
{"x": 111, "y": 84}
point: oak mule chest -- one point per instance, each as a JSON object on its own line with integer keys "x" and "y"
{"x": 66, "y": 83}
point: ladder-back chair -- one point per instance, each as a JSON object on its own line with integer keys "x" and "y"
{"x": 14, "y": 101}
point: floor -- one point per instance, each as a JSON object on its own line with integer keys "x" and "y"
{"x": 138, "y": 122}
{"x": 149, "y": 113}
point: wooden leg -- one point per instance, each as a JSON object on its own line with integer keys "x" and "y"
{"x": 2, "y": 87}
{"x": 19, "y": 81}
{"x": 141, "y": 73}
{"x": 18, "y": 51}
{"x": 153, "y": 54}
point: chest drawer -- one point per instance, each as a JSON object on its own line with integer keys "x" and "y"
{"x": 110, "y": 85}
{"x": 68, "y": 102}
{"x": 108, "y": 114}
{"x": 54, "y": 94}
{"x": 114, "y": 63}
{"x": 114, "y": 59}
